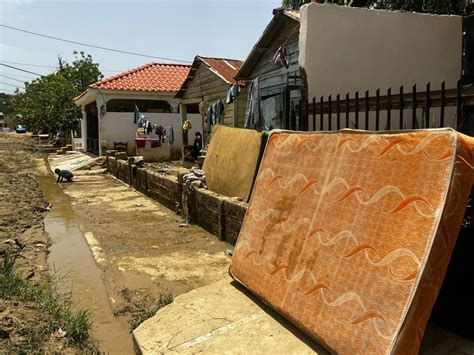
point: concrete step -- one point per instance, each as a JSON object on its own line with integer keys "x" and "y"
{"x": 220, "y": 318}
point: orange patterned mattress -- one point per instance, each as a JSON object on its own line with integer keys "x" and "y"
{"x": 349, "y": 233}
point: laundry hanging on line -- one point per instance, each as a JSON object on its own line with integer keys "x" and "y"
{"x": 232, "y": 94}
{"x": 214, "y": 113}
{"x": 280, "y": 58}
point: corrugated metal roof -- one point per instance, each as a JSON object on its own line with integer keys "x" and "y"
{"x": 222, "y": 67}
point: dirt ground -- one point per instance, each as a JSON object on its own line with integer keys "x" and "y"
{"x": 22, "y": 209}
{"x": 139, "y": 245}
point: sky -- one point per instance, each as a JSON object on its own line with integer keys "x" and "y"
{"x": 177, "y": 29}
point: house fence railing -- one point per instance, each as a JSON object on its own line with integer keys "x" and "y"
{"x": 385, "y": 111}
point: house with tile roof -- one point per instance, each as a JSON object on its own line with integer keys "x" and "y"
{"x": 278, "y": 87}
{"x": 209, "y": 80}
{"x": 108, "y": 106}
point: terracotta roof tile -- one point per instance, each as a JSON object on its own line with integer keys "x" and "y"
{"x": 153, "y": 77}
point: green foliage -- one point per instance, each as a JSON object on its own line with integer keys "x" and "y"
{"x": 47, "y": 103}
{"x": 61, "y": 314}
{"x": 454, "y": 7}
{"x": 294, "y": 4}
{"x": 6, "y": 103}
{"x": 81, "y": 72}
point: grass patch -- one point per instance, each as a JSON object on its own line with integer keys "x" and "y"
{"x": 59, "y": 312}
{"x": 140, "y": 308}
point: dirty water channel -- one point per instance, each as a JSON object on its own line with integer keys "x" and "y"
{"x": 71, "y": 258}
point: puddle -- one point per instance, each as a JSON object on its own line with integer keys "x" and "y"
{"x": 71, "y": 256}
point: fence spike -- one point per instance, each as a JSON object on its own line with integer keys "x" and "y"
{"x": 443, "y": 104}
{"x": 389, "y": 109}
{"x": 428, "y": 105}
{"x": 338, "y": 111}
{"x": 458, "y": 106}
{"x": 347, "y": 110}
{"x": 321, "y": 123}
{"x": 314, "y": 113}
{"x": 367, "y": 108}
{"x": 377, "y": 110}
{"x": 413, "y": 108}
{"x": 402, "y": 106}
{"x": 356, "y": 110}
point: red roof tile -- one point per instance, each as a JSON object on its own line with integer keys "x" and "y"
{"x": 153, "y": 77}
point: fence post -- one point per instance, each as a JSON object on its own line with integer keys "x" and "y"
{"x": 443, "y": 104}
{"x": 389, "y": 108}
{"x": 306, "y": 115}
{"x": 338, "y": 111}
{"x": 330, "y": 113}
{"x": 321, "y": 118}
{"x": 413, "y": 107}
{"x": 458, "y": 105}
{"x": 356, "y": 111}
{"x": 377, "y": 110}
{"x": 402, "y": 106}
{"x": 367, "y": 108}
{"x": 347, "y": 110}
{"x": 314, "y": 114}
{"x": 300, "y": 116}
{"x": 428, "y": 105}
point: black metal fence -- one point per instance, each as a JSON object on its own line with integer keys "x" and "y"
{"x": 392, "y": 110}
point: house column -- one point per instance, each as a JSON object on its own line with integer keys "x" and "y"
{"x": 84, "y": 128}
{"x": 100, "y": 102}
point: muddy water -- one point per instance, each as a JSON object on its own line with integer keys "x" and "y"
{"x": 70, "y": 255}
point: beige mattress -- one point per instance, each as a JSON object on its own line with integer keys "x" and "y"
{"x": 231, "y": 161}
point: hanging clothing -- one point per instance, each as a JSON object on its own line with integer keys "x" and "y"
{"x": 136, "y": 115}
{"x": 233, "y": 92}
{"x": 252, "y": 113}
{"x": 280, "y": 59}
{"x": 218, "y": 111}
{"x": 187, "y": 125}
{"x": 170, "y": 135}
{"x": 208, "y": 116}
{"x": 149, "y": 127}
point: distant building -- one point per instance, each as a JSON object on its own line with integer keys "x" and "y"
{"x": 108, "y": 106}
{"x": 209, "y": 82}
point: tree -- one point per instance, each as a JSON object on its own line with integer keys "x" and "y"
{"x": 453, "y": 7}
{"x": 294, "y": 4}
{"x": 47, "y": 102}
{"x": 81, "y": 72}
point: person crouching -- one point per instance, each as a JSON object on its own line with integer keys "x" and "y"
{"x": 63, "y": 174}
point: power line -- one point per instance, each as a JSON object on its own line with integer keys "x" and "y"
{"x": 15, "y": 86}
{"x": 93, "y": 46}
{"x": 21, "y": 76}
{"x": 50, "y": 66}
{"x": 30, "y": 65}
{"x": 9, "y": 77}
{"x": 26, "y": 71}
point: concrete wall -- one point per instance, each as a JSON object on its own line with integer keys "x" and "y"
{"x": 348, "y": 49}
{"x": 119, "y": 127}
{"x": 219, "y": 215}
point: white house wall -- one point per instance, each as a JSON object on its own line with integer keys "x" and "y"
{"x": 119, "y": 127}
{"x": 346, "y": 49}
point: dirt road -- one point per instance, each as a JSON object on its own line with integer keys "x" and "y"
{"x": 140, "y": 247}
{"x": 22, "y": 209}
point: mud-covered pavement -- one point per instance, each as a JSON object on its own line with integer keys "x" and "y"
{"x": 140, "y": 246}
{"x": 113, "y": 243}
